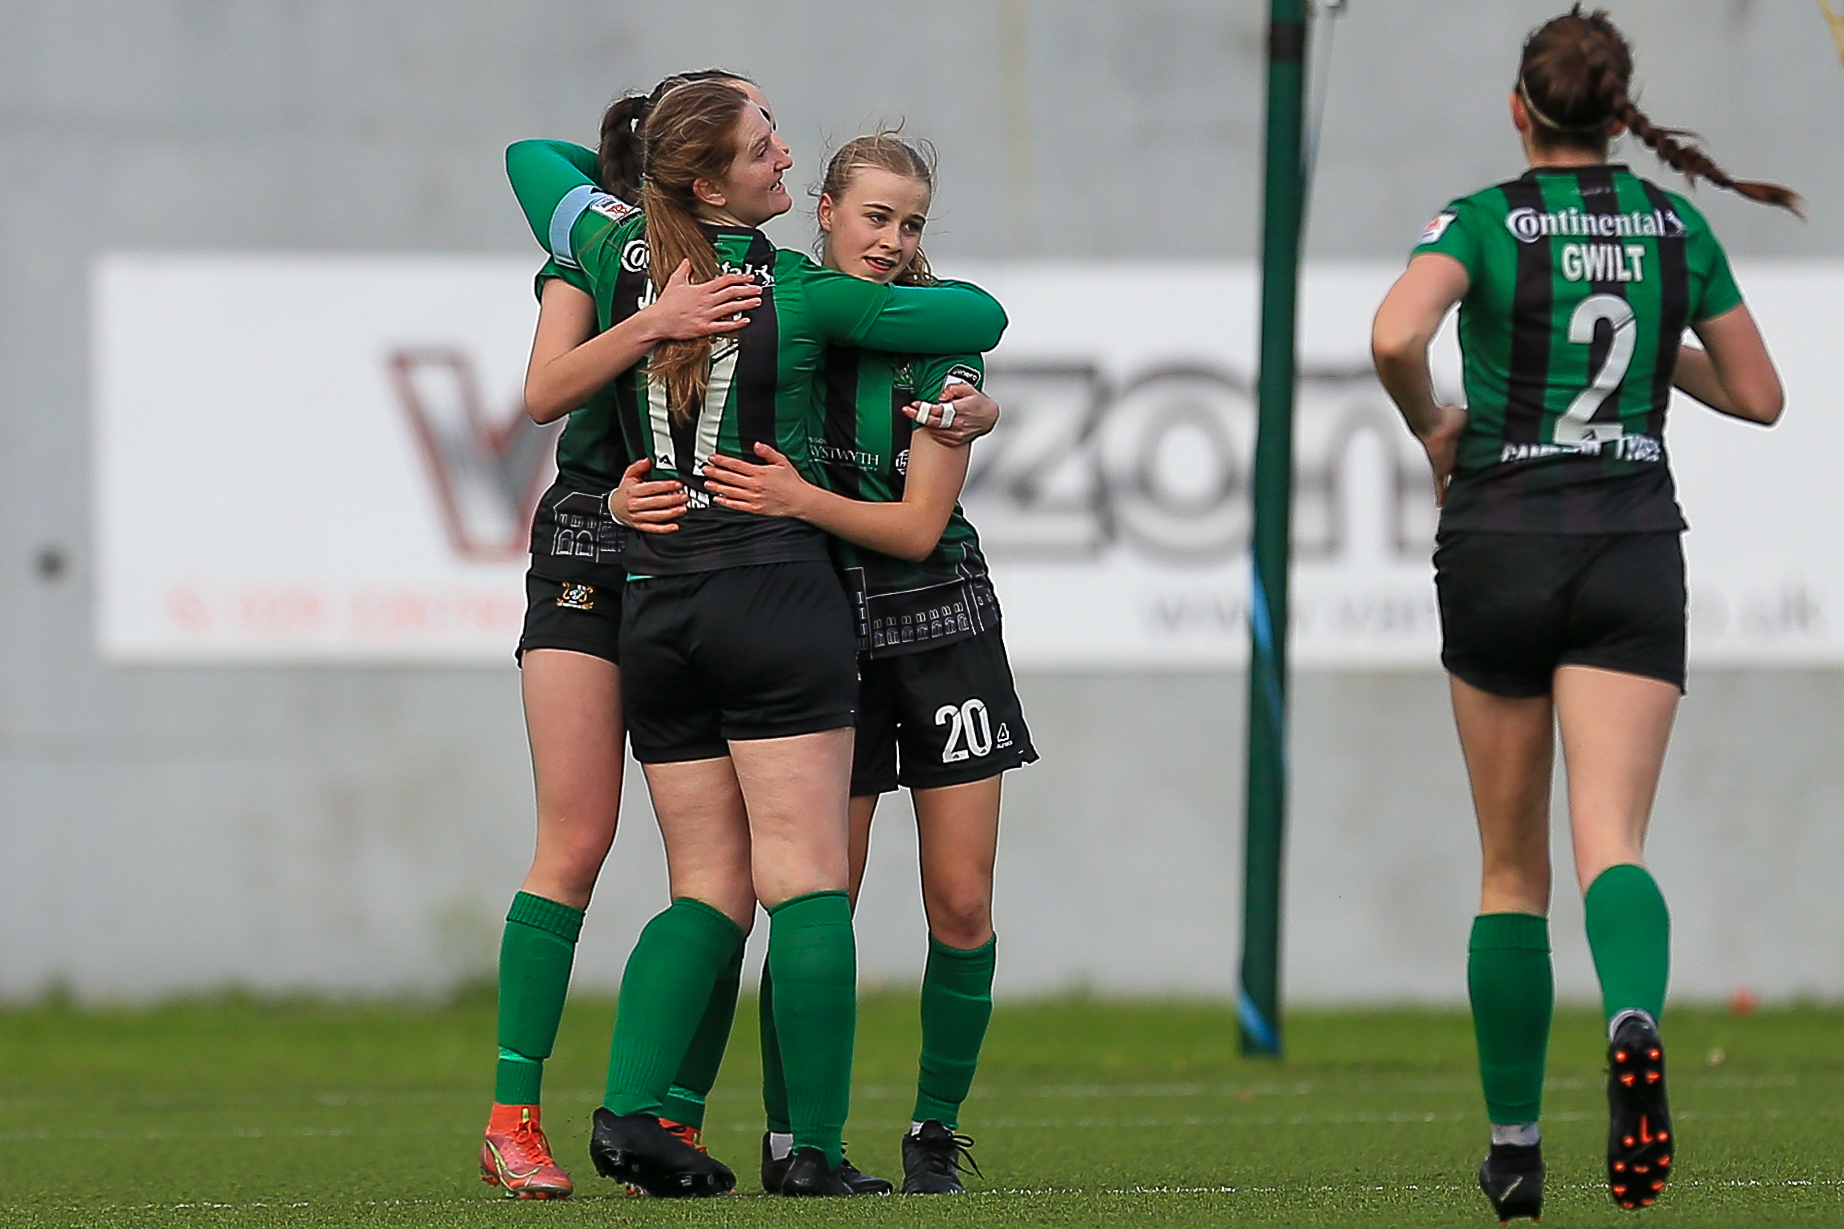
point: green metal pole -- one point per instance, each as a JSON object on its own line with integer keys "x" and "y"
{"x": 1259, "y": 1004}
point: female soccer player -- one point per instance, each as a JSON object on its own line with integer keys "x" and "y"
{"x": 568, "y": 654}
{"x": 1558, "y": 567}
{"x": 739, "y": 682}
{"x": 933, "y": 675}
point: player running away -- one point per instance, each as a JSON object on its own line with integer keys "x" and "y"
{"x": 1558, "y": 565}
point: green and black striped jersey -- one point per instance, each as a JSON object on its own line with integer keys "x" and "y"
{"x": 1582, "y": 282}
{"x": 591, "y": 453}
{"x": 863, "y": 453}
{"x": 572, "y": 535}
{"x": 764, "y": 381}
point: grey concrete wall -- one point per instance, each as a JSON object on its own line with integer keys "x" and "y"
{"x": 180, "y": 828}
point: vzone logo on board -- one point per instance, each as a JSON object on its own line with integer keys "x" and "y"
{"x": 1159, "y": 465}
{"x": 486, "y": 476}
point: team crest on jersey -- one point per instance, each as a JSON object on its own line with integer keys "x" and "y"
{"x": 902, "y": 463}
{"x": 612, "y": 207}
{"x": 575, "y": 595}
{"x": 1435, "y": 229}
{"x": 763, "y": 274}
{"x": 634, "y": 256}
{"x": 960, "y": 373}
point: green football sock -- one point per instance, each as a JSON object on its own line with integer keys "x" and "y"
{"x": 685, "y": 1101}
{"x": 535, "y": 953}
{"x": 774, "y": 1084}
{"x": 1513, "y": 992}
{"x": 815, "y": 967}
{"x": 956, "y": 1007}
{"x": 665, "y": 992}
{"x": 1629, "y": 932}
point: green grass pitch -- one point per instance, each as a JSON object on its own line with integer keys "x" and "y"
{"x": 244, "y": 1113}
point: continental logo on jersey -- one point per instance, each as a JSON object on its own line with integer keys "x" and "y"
{"x": 1528, "y": 225}
{"x": 960, "y": 373}
{"x": 575, "y": 595}
{"x": 634, "y": 255}
{"x": 1436, "y": 228}
{"x": 612, "y": 207}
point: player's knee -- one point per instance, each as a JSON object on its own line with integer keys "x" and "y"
{"x": 960, "y": 917}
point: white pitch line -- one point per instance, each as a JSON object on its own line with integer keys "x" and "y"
{"x": 340, "y": 1099}
{"x": 1116, "y": 1123}
{"x": 993, "y": 1193}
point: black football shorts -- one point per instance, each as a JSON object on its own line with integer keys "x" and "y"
{"x": 579, "y": 615}
{"x": 1515, "y": 606}
{"x": 944, "y": 716}
{"x": 763, "y": 651}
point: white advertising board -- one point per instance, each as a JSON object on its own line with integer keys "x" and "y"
{"x": 322, "y": 459}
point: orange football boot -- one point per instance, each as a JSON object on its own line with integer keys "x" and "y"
{"x": 516, "y": 1156}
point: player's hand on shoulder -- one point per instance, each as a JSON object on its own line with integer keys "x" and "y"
{"x": 650, "y": 507}
{"x": 963, "y": 414}
{"x": 686, "y": 309}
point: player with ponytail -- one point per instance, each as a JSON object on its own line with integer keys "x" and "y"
{"x": 569, "y": 658}
{"x": 739, "y": 680}
{"x": 1558, "y": 566}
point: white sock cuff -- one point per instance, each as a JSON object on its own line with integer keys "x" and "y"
{"x": 780, "y": 1145}
{"x": 1522, "y": 1134}
{"x": 1621, "y": 1017}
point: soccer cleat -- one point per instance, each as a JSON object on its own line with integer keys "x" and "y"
{"x": 516, "y": 1157}
{"x": 690, "y": 1135}
{"x": 775, "y": 1172}
{"x": 1640, "y": 1148}
{"x": 933, "y": 1159}
{"x": 679, "y": 1130}
{"x": 638, "y": 1150}
{"x": 807, "y": 1174}
{"x": 1512, "y": 1178}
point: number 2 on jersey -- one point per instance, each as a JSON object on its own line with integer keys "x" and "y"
{"x": 1575, "y": 427}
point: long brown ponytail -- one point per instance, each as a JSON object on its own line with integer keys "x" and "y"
{"x": 1575, "y": 79}
{"x": 690, "y": 135}
{"x": 621, "y": 152}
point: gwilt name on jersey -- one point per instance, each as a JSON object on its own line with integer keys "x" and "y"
{"x": 486, "y": 477}
{"x": 1158, "y": 464}
{"x": 1603, "y": 262}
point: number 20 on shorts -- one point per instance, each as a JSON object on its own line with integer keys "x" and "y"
{"x": 969, "y": 730}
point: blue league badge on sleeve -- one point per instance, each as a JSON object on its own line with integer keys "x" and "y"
{"x": 612, "y": 207}
{"x": 1435, "y": 229}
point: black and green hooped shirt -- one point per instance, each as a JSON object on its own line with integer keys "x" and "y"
{"x": 1583, "y": 280}
{"x": 862, "y": 452}
{"x": 764, "y": 383}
